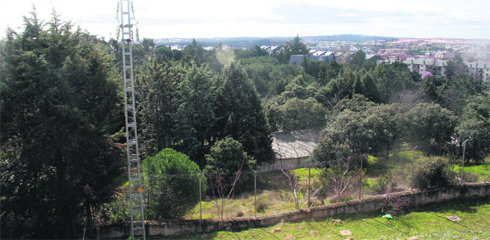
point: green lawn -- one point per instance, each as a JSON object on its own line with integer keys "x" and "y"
{"x": 426, "y": 223}
{"x": 481, "y": 171}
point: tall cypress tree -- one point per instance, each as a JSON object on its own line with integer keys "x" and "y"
{"x": 195, "y": 113}
{"x": 239, "y": 114}
{"x": 59, "y": 105}
{"x": 158, "y": 102}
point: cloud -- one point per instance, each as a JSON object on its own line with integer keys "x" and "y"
{"x": 225, "y": 18}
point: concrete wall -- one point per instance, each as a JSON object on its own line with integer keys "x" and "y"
{"x": 371, "y": 204}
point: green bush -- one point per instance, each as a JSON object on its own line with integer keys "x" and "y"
{"x": 383, "y": 184}
{"x": 433, "y": 173}
{"x": 172, "y": 184}
{"x": 224, "y": 163}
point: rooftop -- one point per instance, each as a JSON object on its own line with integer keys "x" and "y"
{"x": 295, "y": 144}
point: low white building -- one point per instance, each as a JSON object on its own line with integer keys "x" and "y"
{"x": 479, "y": 70}
{"x": 419, "y": 64}
{"x": 422, "y": 65}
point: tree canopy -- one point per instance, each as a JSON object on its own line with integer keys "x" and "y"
{"x": 60, "y": 105}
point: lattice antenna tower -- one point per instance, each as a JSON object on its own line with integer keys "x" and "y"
{"x": 135, "y": 186}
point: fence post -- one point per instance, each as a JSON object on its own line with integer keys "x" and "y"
{"x": 360, "y": 179}
{"x": 309, "y": 187}
{"x": 413, "y": 166}
{"x": 200, "y": 199}
{"x": 255, "y": 193}
{"x": 461, "y": 172}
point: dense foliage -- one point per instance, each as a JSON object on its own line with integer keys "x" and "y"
{"x": 431, "y": 126}
{"x": 172, "y": 182}
{"x": 433, "y": 173}
{"x": 229, "y": 166}
{"x": 60, "y": 105}
{"x": 62, "y": 117}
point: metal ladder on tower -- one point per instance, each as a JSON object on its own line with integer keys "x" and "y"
{"x": 134, "y": 171}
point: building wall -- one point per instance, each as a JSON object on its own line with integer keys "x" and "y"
{"x": 479, "y": 70}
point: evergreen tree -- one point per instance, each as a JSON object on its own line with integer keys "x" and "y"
{"x": 392, "y": 78}
{"x": 456, "y": 68}
{"x": 239, "y": 114}
{"x": 195, "y": 113}
{"x": 59, "y": 104}
{"x": 173, "y": 187}
{"x": 293, "y": 47}
{"x": 158, "y": 101}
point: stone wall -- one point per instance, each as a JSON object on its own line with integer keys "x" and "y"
{"x": 371, "y": 204}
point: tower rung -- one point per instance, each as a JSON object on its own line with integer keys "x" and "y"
{"x": 133, "y": 162}
{"x": 138, "y": 223}
{"x": 135, "y": 195}
{"x": 138, "y": 228}
{"x": 133, "y": 158}
{"x": 134, "y": 179}
{"x": 138, "y": 208}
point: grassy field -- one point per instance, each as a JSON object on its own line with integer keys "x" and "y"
{"x": 274, "y": 194}
{"x": 429, "y": 222}
{"x": 479, "y": 171}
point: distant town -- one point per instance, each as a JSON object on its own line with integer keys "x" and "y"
{"x": 422, "y": 55}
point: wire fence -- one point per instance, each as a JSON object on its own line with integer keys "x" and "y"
{"x": 292, "y": 184}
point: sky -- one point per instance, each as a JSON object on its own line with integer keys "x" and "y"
{"x": 468, "y": 19}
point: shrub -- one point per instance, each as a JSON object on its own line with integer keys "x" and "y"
{"x": 261, "y": 206}
{"x": 433, "y": 173}
{"x": 226, "y": 162}
{"x": 395, "y": 204}
{"x": 383, "y": 184}
{"x": 470, "y": 177}
{"x": 172, "y": 184}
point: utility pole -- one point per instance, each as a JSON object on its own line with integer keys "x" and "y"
{"x": 462, "y": 162}
{"x": 135, "y": 186}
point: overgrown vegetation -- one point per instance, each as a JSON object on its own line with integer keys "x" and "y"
{"x": 62, "y": 127}
{"x": 429, "y": 222}
{"x": 433, "y": 173}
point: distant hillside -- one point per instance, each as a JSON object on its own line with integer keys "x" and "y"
{"x": 349, "y": 37}
{"x": 251, "y": 41}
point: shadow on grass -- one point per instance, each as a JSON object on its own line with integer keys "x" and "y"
{"x": 400, "y": 226}
{"x": 468, "y": 206}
